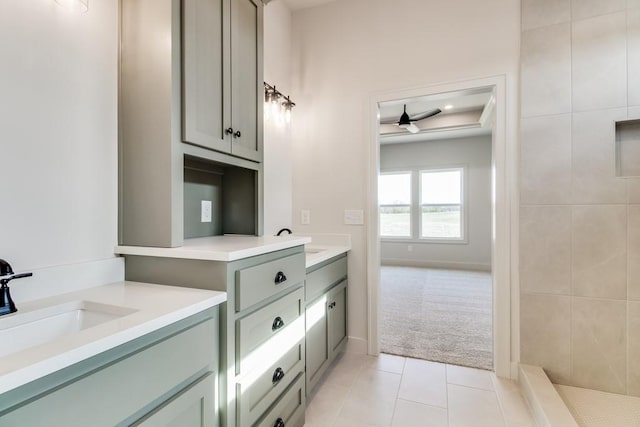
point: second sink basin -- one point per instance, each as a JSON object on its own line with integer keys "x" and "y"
{"x": 24, "y": 330}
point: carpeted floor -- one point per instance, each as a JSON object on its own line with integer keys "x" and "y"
{"x": 439, "y": 315}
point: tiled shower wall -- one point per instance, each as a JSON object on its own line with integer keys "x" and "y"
{"x": 579, "y": 224}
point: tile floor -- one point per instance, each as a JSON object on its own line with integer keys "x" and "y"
{"x": 592, "y": 408}
{"x": 361, "y": 390}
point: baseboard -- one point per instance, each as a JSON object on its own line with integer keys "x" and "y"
{"x": 452, "y": 265}
{"x": 61, "y": 279}
{"x": 356, "y": 345}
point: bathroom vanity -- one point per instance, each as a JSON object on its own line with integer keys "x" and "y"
{"x": 121, "y": 354}
{"x": 267, "y": 341}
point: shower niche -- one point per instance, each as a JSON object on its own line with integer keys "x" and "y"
{"x": 627, "y": 140}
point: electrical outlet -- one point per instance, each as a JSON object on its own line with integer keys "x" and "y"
{"x": 205, "y": 211}
{"x": 354, "y": 217}
{"x": 305, "y": 217}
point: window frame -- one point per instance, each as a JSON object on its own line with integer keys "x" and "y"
{"x": 463, "y": 206}
{"x": 410, "y": 205}
{"x": 415, "y": 220}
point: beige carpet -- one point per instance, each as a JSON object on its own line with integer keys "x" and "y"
{"x": 439, "y": 315}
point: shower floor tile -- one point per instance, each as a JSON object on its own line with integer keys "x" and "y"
{"x": 592, "y": 408}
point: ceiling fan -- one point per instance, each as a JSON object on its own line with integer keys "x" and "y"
{"x": 408, "y": 122}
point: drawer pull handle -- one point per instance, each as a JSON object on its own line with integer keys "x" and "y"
{"x": 280, "y": 277}
{"x": 277, "y": 323}
{"x": 278, "y": 375}
{"x": 333, "y": 304}
{"x": 279, "y": 423}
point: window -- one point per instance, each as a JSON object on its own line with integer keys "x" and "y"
{"x": 441, "y": 208}
{"x": 394, "y": 197}
{"x": 422, "y": 204}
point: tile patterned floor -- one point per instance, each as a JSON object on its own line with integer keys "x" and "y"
{"x": 393, "y": 391}
{"x": 592, "y": 408}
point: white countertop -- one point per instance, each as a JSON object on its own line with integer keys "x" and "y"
{"x": 325, "y": 246}
{"x": 156, "y": 306}
{"x": 219, "y": 248}
{"x": 315, "y": 254}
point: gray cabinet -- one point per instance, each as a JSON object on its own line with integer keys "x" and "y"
{"x": 190, "y": 70}
{"x": 325, "y": 316}
{"x": 163, "y": 378}
{"x": 190, "y": 408}
{"x": 222, "y": 78}
{"x": 337, "y": 318}
{"x": 262, "y": 329}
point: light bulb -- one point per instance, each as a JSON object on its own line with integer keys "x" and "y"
{"x": 275, "y": 107}
{"x": 287, "y": 115}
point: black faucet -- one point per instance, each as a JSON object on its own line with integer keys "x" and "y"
{"x": 6, "y": 275}
{"x": 283, "y": 230}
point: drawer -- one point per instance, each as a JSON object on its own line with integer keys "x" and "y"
{"x": 289, "y": 410}
{"x": 318, "y": 281}
{"x": 257, "y": 391}
{"x": 254, "y": 284}
{"x": 256, "y": 334}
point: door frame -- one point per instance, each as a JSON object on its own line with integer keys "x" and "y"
{"x": 504, "y": 172}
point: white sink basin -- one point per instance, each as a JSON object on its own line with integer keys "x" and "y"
{"x": 24, "y": 330}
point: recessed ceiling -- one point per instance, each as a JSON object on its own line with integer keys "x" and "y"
{"x": 463, "y": 114}
{"x": 305, "y": 4}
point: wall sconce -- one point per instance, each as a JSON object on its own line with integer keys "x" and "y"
{"x": 74, "y": 5}
{"x": 274, "y": 107}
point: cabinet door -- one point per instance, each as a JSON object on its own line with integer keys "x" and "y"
{"x": 206, "y": 72}
{"x": 317, "y": 343}
{"x": 337, "y": 317}
{"x": 246, "y": 76}
{"x": 192, "y": 407}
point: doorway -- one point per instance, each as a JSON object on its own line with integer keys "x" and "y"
{"x": 434, "y": 193}
{"x": 500, "y": 220}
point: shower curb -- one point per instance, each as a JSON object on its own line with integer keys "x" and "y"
{"x": 548, "y": 408}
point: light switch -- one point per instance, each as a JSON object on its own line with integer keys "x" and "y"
{"x": 354, "y": 217}
{"x": 305, "y": 217}
{"x": 205, "y": 211}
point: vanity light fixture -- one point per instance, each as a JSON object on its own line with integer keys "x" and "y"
{"x": 274, "y": 106}
{"x": 74, "y": 5}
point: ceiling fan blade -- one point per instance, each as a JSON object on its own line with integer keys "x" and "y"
{"x": 388, "y": 122}
{"x": 413, "y": 128}
{"x": 426, "y": 114}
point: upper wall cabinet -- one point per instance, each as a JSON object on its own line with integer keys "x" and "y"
{"x": 190, "y": 94}
{"x": 222, "y": 77}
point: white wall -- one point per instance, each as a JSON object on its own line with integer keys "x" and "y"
{"x": 345, "y": 51}
{"x": 474, "y": 154}
{"x": 277, "y": 137}
{"x": 58, "y": 118}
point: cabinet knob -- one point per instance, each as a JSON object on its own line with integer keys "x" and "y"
{"x": 280, "y": 277}
{"x": 237, "y": 134}
{"x": 278, "y": 375}
{"x": 279, "y": 423}
{"x": 228, "y": 131}
{"x": 277, "y": 323}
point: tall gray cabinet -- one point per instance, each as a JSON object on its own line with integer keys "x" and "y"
{"x": 190, "y": 91}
